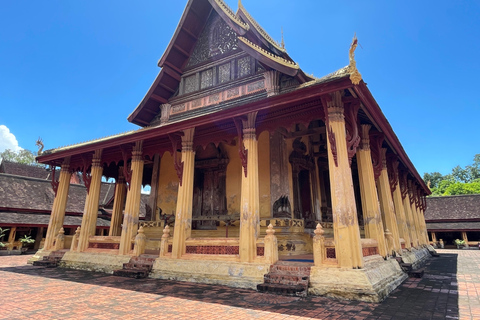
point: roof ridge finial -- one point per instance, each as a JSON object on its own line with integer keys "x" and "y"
{"x": 283, "y": 42}
{"x": 240, "y": 5}
{"x": 355, "y": 76}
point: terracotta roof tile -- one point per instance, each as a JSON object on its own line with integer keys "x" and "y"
{"x": 462, "y": 207}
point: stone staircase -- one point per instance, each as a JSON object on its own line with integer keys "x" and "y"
{"x": 137, "y": 267}
{"x": 287, "y": 278}
{"x": 50, "y": 261}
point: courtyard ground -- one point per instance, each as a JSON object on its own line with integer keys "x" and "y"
{"x": 450, "y": 289}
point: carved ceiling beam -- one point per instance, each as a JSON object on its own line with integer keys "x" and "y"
{"x": 158, "y": 98}
{"x": 183, "y": 52}
{"x": 173, "y": 71}
{"x": 163, "y": 85}
{"x": 189, "y": 33}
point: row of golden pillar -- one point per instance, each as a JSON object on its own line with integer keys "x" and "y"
{"x": 249, "y": 225}
{"x": 383, "y": 208}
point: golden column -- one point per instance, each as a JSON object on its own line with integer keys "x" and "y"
{"x": 183, "y": 217}
{"x": 59, "y": 205}
{"x": 90, "y": 212}
{"x": 423, "y": 206}
{"x": 386, "y": 203}
{"x": 118, "y": 205}
{"x": 132, "y": 205}
{"x": 249, "y": 200}
{"x": 412, "y": 227}
{"x": 413, "y": 212}
{"x": 348, "y": 247}
{"x": 371, "y": 209}
{"x": 398, "y": 202}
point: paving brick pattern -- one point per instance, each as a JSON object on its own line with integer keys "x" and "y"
{"x": 450, "y": 289}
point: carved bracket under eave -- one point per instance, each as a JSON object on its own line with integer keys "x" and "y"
{"x": 54, "y": 182}
{"x": 242, "y": 152}
{"x": 127, "y": 172}
{"x": 86, "y": 176}
{"x": 326, "y": 99}
{"x": 351, "y": 124}
{"x": 403, "y": 183}
{"x": 392, "y": 169}
{"x": 376, "y": 141}
{"x": 176, "y": 162}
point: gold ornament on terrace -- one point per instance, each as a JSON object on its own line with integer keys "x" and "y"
{"x": 355, "y": 76}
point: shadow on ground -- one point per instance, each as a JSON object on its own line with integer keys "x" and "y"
{"x": 435, "y": 296}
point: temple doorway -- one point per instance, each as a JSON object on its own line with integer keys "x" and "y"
{"x": 209, "y": 190}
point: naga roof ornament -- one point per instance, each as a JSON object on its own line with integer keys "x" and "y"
{"x": 355, "y": 76}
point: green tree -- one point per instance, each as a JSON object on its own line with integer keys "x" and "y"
{"x": 460, "y": 181}
{"x": 23, "y": 156}
{"x": 458, "y": 188}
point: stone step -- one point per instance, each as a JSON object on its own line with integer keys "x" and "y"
{"x": 295, "y": 290}
{"x": 130, "y": 273}
{"x": 406, "y": 267}
{"x": 45, "y": 263}
{"x": 278, "y": 268}
{"x": 286, "y": 279}
{"x": 416, "y": 273}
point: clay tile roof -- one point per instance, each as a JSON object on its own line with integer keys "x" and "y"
{"x": 451, "y": 226}
{"x": 24, "y": 193}
{"x": 43, "y": 219}
{"x": 24, "y": 170}
{"x": 464, "y": 207}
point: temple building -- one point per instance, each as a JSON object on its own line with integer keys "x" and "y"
{"x": 252, "y": 163}
{"x": 454, "y": 217}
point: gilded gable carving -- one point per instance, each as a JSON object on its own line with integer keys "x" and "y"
{"x": 216, "y": 38}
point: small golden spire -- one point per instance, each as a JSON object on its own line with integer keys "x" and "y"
{"x": 355, "y": 76}
{"x": 283, "y": 42}
{"x": 240, "y": 5}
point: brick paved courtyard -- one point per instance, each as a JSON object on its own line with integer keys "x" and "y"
{"x": 450, "y": 289}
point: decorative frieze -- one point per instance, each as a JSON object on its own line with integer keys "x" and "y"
{"x": 216, "y": 98}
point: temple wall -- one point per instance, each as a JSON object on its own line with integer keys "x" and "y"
{"x": 168, "y": 182}
{"x": 168, "y": 185}
{"x": 264, "y": 174}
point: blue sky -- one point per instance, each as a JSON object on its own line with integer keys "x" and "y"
{"x": 73, "y": 71}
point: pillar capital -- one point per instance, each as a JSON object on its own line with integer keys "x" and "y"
{"x": 97, "y": 158}
{"x": 187, "y": 139}
{"x": 364, "y": 135}
{"x": 137, "y": 151}
{"x": 66, "y": 165}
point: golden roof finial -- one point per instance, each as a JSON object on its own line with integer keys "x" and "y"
{"x": 283, "y": 42}
{"x": 240, "y": 5}
{"x": 355, "y": 76}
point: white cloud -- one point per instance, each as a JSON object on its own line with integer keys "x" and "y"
{"x": 8, "y": 140}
